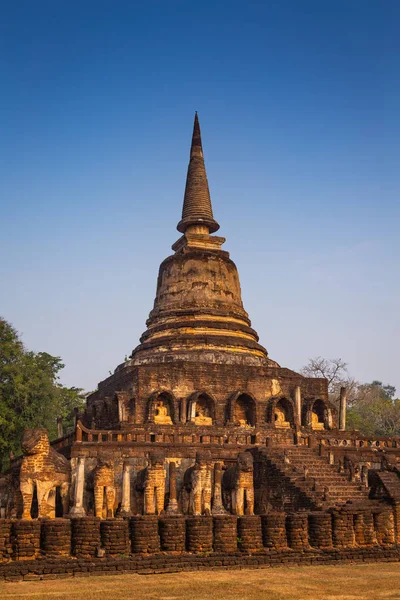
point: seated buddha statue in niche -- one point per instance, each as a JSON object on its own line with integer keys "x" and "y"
{"x": 161, "y": 415}
{"x": 242, "y": 414}
{"x": 315, "y": 422}
{"x": 202, "y": 414}
{"x": 280, "y": 418}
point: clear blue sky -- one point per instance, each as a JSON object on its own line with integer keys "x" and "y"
{"x": 299, "y": 108}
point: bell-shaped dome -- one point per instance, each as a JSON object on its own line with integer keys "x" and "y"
{"x": 198, "y": 312}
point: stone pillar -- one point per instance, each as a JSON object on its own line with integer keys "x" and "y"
{"x": 297, "y": 402}
{"x": 225, "y": 533}
{"x": 192, "y": 410}
{"x": 25, "y": 539}
{"x": 60, "y": 429}
{"x": 217, "y": 505}
{"x": 343, "y": 529}
{"x": 78, "y": 433}
{"x": 144, "y": 534}
{"x": 172, "y": 508}
{"x": 5, "y": 539}
{"x": 249, "y": 533}
{"x": 274, "y": 530}
{"x": 56, "y": 537}
{"x": 369, "y": 529}
{"x": 126, "y": 491}
{"x": 297, "y": 531}
{"x": 396, "y": 512}
{"x": 183, "y": 410}
{"x": 342, "y": 408}
{"x": 199, "y": 534}
{"x": 359, "y": 528}
{"x": 320, "y": 529}
{"x": 172, "y": 533}
{"x": 384, "y": 527}
{"x": 115, "y": 536}
{"x": 85, "y": 537}
{"x": 77, "y": 510}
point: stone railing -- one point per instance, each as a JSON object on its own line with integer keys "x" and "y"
{"x": 359, "y": 441}
{"x": 172, "y": 435}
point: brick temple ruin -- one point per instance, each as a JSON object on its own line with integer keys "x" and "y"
{"x": 200, "y": 450}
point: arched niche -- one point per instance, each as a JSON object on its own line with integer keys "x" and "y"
{"x": 123, "y": 406}
{"x": 321, "y": 415}
{"x": 161, "y": 408}
{"x": 242, "y": 410}
{"x": 201, "y": 409}
{"x": 282, "y": 413}
{"x": 317, "y": 415}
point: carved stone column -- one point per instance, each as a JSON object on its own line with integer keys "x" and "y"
{"x": 297, "y": 402}
{"x": 77, "y": 510}
{"x": 126, "y": 491}
{"x": 217, "y": 506}
{"x": 183, "y": 410}
{"x": 342, "y": 409}
{"x": 172, "y": 508}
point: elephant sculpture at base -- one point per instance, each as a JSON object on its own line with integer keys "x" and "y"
{"x": 43, "y": 468}
{"x": 151, "y": 482}
{"x": 103, "y": 479}
{"x": 198, "y": 485}
{"x": 238, "y": 485}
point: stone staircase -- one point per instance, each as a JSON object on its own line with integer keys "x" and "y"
{"x": 318, "y": 483}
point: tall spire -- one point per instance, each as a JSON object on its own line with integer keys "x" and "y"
{"x": 197, "y": 209}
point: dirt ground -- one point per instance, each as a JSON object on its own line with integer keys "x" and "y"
{"x": 344, "y": 582}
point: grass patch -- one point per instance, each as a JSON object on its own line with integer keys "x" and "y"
{"x": 375, "y": 581}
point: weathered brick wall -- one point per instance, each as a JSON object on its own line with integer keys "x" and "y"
{"x": 85, "y": 537}
{"x": 5, "y": 539}
{"x": 89, "y": 538}
{"x": 56, "y": 537}
{"x": 320, "y": 530}
{"x": 274, "y": 531}
{"x": 384, "y": 527}
{"x": 343, "y": 529}
{"x": 25, "y": 539}
{"x": 225, "y": 533}
{"x": 249, "y": 533}
{"x": 144, "y": 534}
{"x": 30, "y": 549}
{"x": 45, "y": 568}
{"x": 396, "y": 515}
{"x": 199, "y": 534}
{"x": 114, "y": 535}
{"x": 172, "y": 533}
{"x": 182, "y": 378}
{"x": 364, "y": 532}
{"x": 297, "y": 531}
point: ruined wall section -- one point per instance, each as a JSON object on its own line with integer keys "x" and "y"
{"x": 348, "y": 534}
{"x": 181, "y": 378}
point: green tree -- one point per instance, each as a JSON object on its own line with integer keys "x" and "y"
{"x": 374, "y": 411}
{"x": 30, "y": 392}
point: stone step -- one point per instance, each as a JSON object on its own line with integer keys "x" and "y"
{"x": 340, "y": 491}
